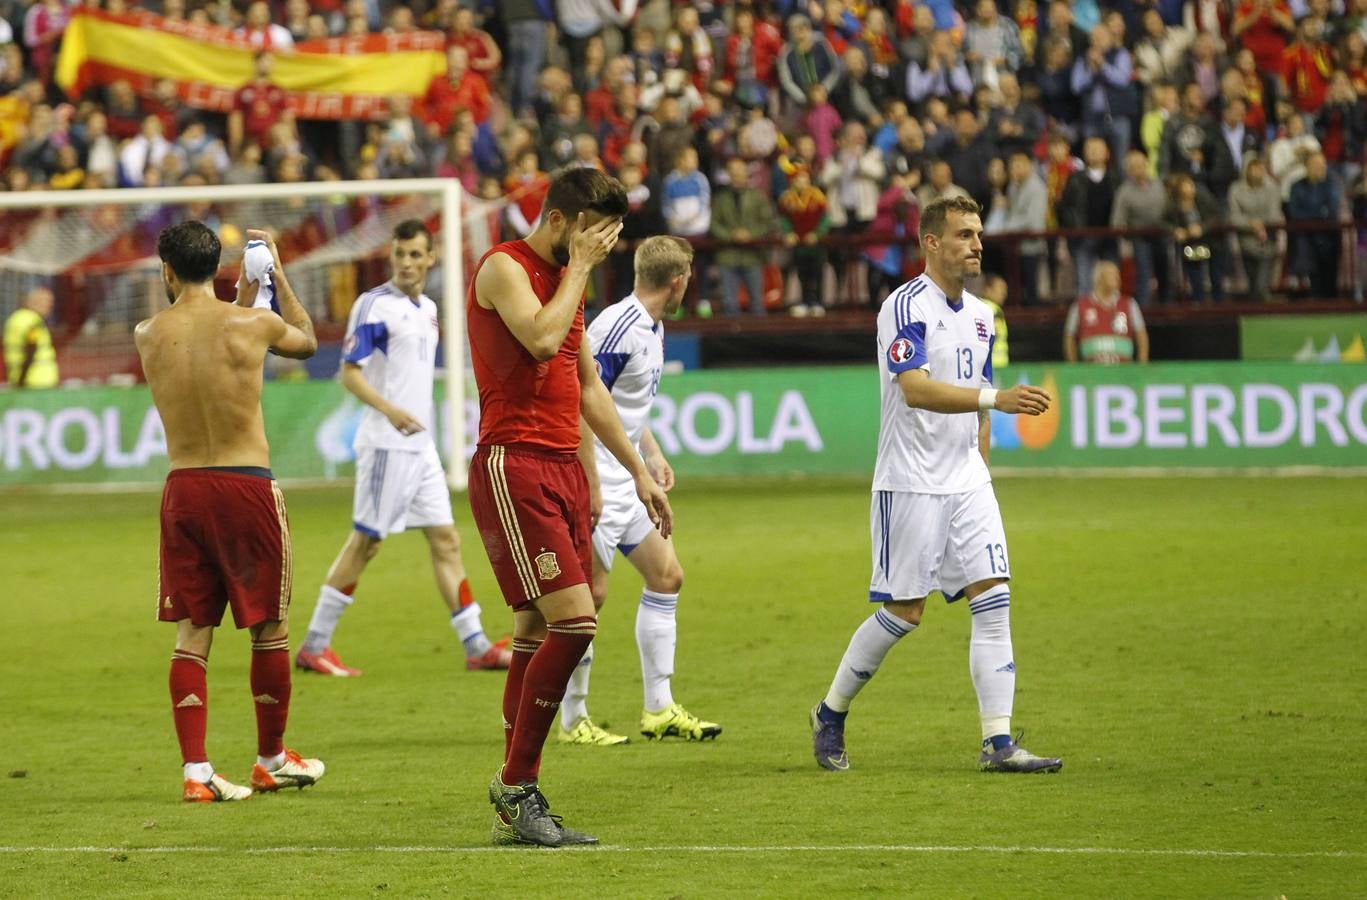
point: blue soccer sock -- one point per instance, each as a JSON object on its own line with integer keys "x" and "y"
{"x": 871, "y": 642}
{"x": 991, "y": 663}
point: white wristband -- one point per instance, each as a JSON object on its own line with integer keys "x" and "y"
{"x": 987, "y": 398}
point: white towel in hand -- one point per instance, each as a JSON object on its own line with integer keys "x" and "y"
{"x": 257, "y": 265}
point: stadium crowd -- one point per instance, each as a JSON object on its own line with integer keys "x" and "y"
{"x": 795, "y": 131}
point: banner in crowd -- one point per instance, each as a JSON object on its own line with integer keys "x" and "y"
{"x": 333, "y": 78}
{"x": 798, "y": 421}
{"x": 1304, "y": 338}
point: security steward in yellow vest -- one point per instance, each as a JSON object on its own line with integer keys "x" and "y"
{"x": 30, "y": 359}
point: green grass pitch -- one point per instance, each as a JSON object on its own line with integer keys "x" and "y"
{"x": 1192, "y": 648}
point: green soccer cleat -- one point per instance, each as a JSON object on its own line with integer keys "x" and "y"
{"x": 588, "y": 733}
{"x": 675, "y": 721}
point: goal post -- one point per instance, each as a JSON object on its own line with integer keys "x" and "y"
{"x": 96, "y": 251}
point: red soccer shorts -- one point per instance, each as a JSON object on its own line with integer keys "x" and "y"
{"x": 532, "y": 509}
{"x": 225, "y": 541}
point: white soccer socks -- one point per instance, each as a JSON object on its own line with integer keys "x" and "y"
{"x": 990, "y": 659}
{"x": 466, "y": 621}
{"x": 575, "y": 706}
{"x": 657, "y": 632}
{"x": 326, "y": 614}
{"x": 871, "y": 642}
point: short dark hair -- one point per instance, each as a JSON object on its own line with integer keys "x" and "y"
{"x": 191, "y": 249}
{"x": 935, "y": 216}
{"x": 577, "y": 189}
{"x": 411, "y": 228}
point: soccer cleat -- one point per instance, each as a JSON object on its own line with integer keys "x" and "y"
{"x": 295, "y": 772}
{"x": 586, "y": 731}
{"x": 216, "y": 790}
{"x": 523, "y": 818}
{"x": 1015, "y": 758}
{"x": 828, "y": 743}
{"x": 675, "y": 721}
{"x": 324, "y": 663}
{"x": 499, "y": 656}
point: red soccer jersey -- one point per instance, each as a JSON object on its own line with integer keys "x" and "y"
{"x": 524, "y": 402}
{"x": 261, "y": 105}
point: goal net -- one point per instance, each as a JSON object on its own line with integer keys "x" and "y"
{"x": 96, "y": 252}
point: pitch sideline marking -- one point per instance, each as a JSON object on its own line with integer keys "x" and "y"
{"x": 796, "y": 848}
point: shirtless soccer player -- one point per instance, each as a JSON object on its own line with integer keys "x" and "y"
{"x": 628, "y": 346}
{"x": 935, "y": 521}
{"x": 225, "y": 538}
{"x": 528, "y": 491}
{"x": 389, "y": 362}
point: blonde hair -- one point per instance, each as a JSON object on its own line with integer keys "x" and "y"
{"x": 660, "y": 259}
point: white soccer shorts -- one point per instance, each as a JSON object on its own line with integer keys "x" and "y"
{"x": 923, "y": 543}
{"x": 399, "y": 489}
{"x": 623, "y": 525}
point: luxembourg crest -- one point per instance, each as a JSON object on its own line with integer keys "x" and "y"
{"x": 547, "y": 566}
{"x": 982, "y": 329}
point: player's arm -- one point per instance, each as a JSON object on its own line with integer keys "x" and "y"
{"x": 597, "y": 409}
{"x": 923, "y": 392}
{"x": 246, "y": 293}
{"x": 659, "y": 467}
{"x": 589, "y": 460}
{"x": 503, "y": 286}
{"x": 291, "y": 333}
{"x": 354, "y": 380}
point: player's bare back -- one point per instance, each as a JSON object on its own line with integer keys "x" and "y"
{"x": 204, "y": 362}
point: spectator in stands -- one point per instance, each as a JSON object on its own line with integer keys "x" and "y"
{"x": 1341, "y": 126}
{"x": 1061, "y": 25}
{"x": 558, "y": 134}
{"x": 582, "y": 20}
{"x": 939, "y": 184}
{"x": 908, "y": 155}
{"x": 147, "y": 150}
{"x": 1087, "y": 201}
{"x": 1022, "y": 208}
{"x": 1202, "y": 68}
{"x": 802, "y": 216}
{"x": 123, "y": 109}
{"x": 1101, "y": 78}
{"x": 456, "y": 89}
{"x": 1232, "y": 141}
{"x": 1186, "y": 137}
{"x": 969, "y": 156}
{"x": 1014, "y": 125}
{"x": 526, "y": 29}
{"x": 1105, "y": 326}
{"x": 944, "y": 74}
{"x": 665, "y": 136}
{"x": 1316, "y": 198}
{"x": 1159, "y": 52}
{"x": 44, "y": 24}
{"x": 297, "y": 15}
{"x": 485, "y": 58}
{"x": 1141, "y": 202}
{"x": 992, "y": 44}
{"x": 1191, "y": 211}
{"x": 1288, "y": 153}
{"x": 687, "y": 197}
{"x": 740, "y": 215}
{"x": 101, "y": 155}
{"x": 749, "y": 63}
{"x": 644, "y": 219}
{"x": 525, "y": 187}
{"x": 807, "y": 59}
{"x": 1254, "y": 204}
{"x": 246, "y": 166}
{"x": 257, "y": 105}
{"x": 823, "y": 122}
{"x": 203, "y": 152}
{"x": 852, "y": 180}
{"x": 898, "y": 215}
{"x": 1055, "y": 82}
{"x": 261, "y": 32}
{"x": 687, "y": 46}
{"x": 1306, "y": 64}
{"x": 859, "y": 95}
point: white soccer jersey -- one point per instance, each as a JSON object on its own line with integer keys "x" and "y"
{"x": 258, "y": 264}
{"x": 918, "y": 328}
{"x": 629, "y": 350}
{"x": 394, "y": 338}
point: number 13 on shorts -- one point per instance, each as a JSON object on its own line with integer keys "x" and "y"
{"x": 996, "y": 559}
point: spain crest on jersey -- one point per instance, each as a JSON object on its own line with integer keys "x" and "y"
{"x": 547, "y": 566}
{"x": 981, "y": 326}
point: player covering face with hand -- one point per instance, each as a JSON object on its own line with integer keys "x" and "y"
{"x": 628, "y": 347}
{"x": 934, "y": 517}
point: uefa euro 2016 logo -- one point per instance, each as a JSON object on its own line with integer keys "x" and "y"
{"x": 901, "y": 350}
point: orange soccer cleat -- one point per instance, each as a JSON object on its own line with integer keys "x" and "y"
{"x": 499, "y": 656}
{"x": 295, "y": 772}
{"x": 324, "y": 663}
{"x": 216, "y": 790}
